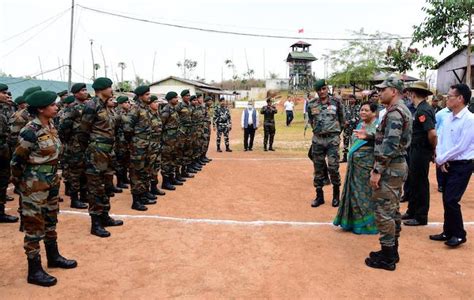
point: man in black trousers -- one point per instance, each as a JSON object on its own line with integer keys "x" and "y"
{"x": 454, "y": 156}
{"x": 249, "y": 125}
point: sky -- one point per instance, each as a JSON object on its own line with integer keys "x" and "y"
{"x": 34, "y": 35}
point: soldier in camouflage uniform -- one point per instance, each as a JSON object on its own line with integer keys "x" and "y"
{"x": 69, "y": 126}
{"x": 185, "y": 140}
{"x": 223, "y": 122}
{"x": 6, "y": 110}
{"x": 392, "y": 138}
{"x": 121, "y": 146}
{"x": 268, "y": 113}
{"x": 198, "y": 132}
{"x": 110, "y": 188}
{"x": 63, "y": 160}
{"x": 207, "y": 129}
{"x": 351, "y": 114}
{"x": 169, "y": 158}
{"x": 34, "y": 173}
{"x": 326, "y": 117}
{"x": 155, "y": 146}
{"x": 138, "y": 131}
{"x": 96, "y": 138}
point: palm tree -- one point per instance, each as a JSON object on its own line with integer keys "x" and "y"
{"x": 122, "y": 66}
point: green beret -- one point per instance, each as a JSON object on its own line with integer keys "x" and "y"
{"x": 153, "y": 98}
{"x": 185, "y": 93}
{"x": 171, "y": 95}
{"x": 69, "y": 99}
{"x": 122, "y": 99}
{"x": 41, "y": 98}
{"x": 319, "y": 84}
{"x": 31, "y": 90}
{"x": 101, "y": 83}
{"x": 62, "y": 93}
{"x": 142, "y": 90}
{"x": 3, "y": 87}
{"x": 77, "y": 87}
{"x": 193, "y": 97}
{"x": 198, "y": 95}
{"x": 208, "y": 98}
{"x": 20, "y": 100}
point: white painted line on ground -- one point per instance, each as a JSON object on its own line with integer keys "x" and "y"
{"x": 227, "y": 222}
{"x": 260, "y": 159}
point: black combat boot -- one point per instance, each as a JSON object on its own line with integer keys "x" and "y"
{"x": 137, "y": 203}
{"x": 184, "y": 172}
{"x": 120, "y": 182}
{"x": 205, "y": 159}
{"x": 174, "y": 181}
{"x": 97, "y": 227}
{"x": 125, "y": 178}
{"x": 154, "y": 188}
{"x": 375, "y": 254}
{"x": 36, "y": 274}
{"x": 56, "y": 260}
{"x": 227, "y": 149}
{"x": 196, "y": 166}
{"x": 385, "y": 260}
{"x": 344, "y": 158}
{"x": 219, "y": 148}
{"x": 75, "y": 203}
{"x": 67, "y": 188}
{"x": 335, "y": 196}
{"x": 270, "y": 145}
{"x": 116, "y": 190}
{"x": 208, "y": 159}
{"x": 149, "y": 195}
{"x": 166, "y": 184}
{"x": 191, "y": 170}
{"x": 265, "y": 147}
{"x": 202, "y": 161}
{"x": 83, "y": 196}
{"x": 147, "y": 201}
{"x": 4, "y": 218}
{"x": 319, "y": 198}
{"x": 178, "y": 176}
{"x": 108, "y": 221}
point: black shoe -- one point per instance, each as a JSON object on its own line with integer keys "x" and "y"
{"x": 109, "y": 193}
{"x": 56, "y": 260}
{"x": 271, "y": 149}
{"x": 227, "y": 149}
{"x": 385, "y": 260}
{"x": 219, "y": 149}
{"x": 107, "y": 221}
{"x": 184, "y": 172}
{"x": 375, "y": 254}
{"x": 120, "y": 183}
{"x": 196, "y": 166}
{"x": 414, "y": 222}
{"x": 455, "y": 241}
{"x": 209, "y": 159}
{"x": 4, "y": 218}
{"x": 205, "y": 160}
{"x": 406, "y": 216}
{"x": 36, "y": 274}
{"x": 246, "y": 149}
{"x": 166, "y": 184}
{"x": 344, "y": 158}
{"x": 191, "y": 170}
{"x": 83, "y": 197}
{"x": 439, "y": 237}
{"x": 150, "y": 196}
{"x": 265, "y": 149}
{"x": 335, "y": 196}
{"x": 319, "y": 198}
{"x": 67, "y": 188}
{"x": 75, "y": 203}
{"x": 250, "y": 149}
{"x": 147, "y": 201}
{"x": 137, "y": 203}
{"x": 178, "y": 177}
{"x": 116, "y": 190}
{"x": 155, "y": 190}
{"x": 97, "y": 228}
{"x": 174, "y": 181}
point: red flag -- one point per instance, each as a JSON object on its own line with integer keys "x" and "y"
{"x": 301, "y": 30}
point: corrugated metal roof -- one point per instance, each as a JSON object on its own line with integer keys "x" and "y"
{"x": 17, "y": 85}
{"x": 301, "y": 55}
{"x": 198, "y": 84}
{"x": 449, "y": 57}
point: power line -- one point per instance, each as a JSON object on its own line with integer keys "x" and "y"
{"x": 238, "y": 33}
{"x": 34, "y": 26}
{"x": 45, "y": 72}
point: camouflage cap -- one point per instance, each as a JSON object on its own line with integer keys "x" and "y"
{"x": 391, "y": 81}
{"x": 319, "y": 84}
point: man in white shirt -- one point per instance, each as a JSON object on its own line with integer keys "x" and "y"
{"x": 454, "y": 156}
{"x": 249, "y": 124}
{"x": 289, "y": 107}
{"x": 440, "y": 116}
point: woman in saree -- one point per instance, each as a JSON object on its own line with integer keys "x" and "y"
{"x": 355, "y": 211}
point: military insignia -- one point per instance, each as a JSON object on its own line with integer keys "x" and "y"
{"x": 315, "y": 110}
{"x": 422, "y": 118}
{"x": 44, "y": 138}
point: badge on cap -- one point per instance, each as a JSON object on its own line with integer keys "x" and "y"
{"x": 422, "y": 118}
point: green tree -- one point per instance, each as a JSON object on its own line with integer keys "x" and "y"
{"x": 425, "y": 63}
{"x": 447, "y": 23}
{"x": 188, "y": 66}
{"x": 401, "y": 58}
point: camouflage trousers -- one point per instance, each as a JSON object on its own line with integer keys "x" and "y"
{"x": 98, "y": 164}
{"x": 39, "y": 196}
{"x": 185, "y": 147}
{"x": 347, "y": 138}
{"x": 139, "y": 166}
{"x": 76, "y": 167}
{"x": 222, "y": 130}
{"x": 109, "y": 175}
{"x": 5, "y": 157}
{"x": 322, "y": 147}
{"x": 168, "y": 155}
{"x": 268, "y": 134}
{"x": 386, "y": 200}
{"x": 206, "y": 139}
{"x": 197, "y": 142}
{"x": 155, "y": 160}
{"x": 122, "y": 153}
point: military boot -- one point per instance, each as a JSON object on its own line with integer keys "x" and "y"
{"x": 270, "y": 144}
{"x": 184, "y": 172}
{"x": 154, "y": 188}
{"x": 75, "y": 203}
{"x": 219, "y": 148}
{"x": 386, "y": 260}
{"x": 344, "y": 158}
{"x": 4, "y": 218}
{"x": 178, "y": 176}
{"x": 149, "y": 195}
{"x": 205, "y": 159}
{"x": 174, "y": 181}
{"x": 36, "y": 274}
{"x": 191, "y": 170}
{"x": 56, "y": 260}
{"x": 335, "y": 195}
{"x": 166, "y": 184}
{"x": 375, "y": 254}
{"x": 97, "y": 228}
{"x": 83, "y": 196}
{"x": 227, "y": 149}
{"x": 120, "y": 181}
{"x": 319, "y": 198}
{"x": 67, "y": 188}
{"x": 108, "y": 221}
{"x": 137, "y": 203}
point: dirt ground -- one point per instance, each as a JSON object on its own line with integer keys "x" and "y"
{"x": 203, "y": 241}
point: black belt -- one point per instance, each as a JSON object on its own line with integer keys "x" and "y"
{"x": 326, "y": 135}
{"x": 460, "y": 162}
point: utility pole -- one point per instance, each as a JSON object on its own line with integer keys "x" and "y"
{"x": 105, "y": 64}
{"x": 264, "y": 73}
{"x": 41, "y": 67}
{"x": 69, "y": 80}
{"x": 93, "y": 62}
{"x": 153, "y": 68}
